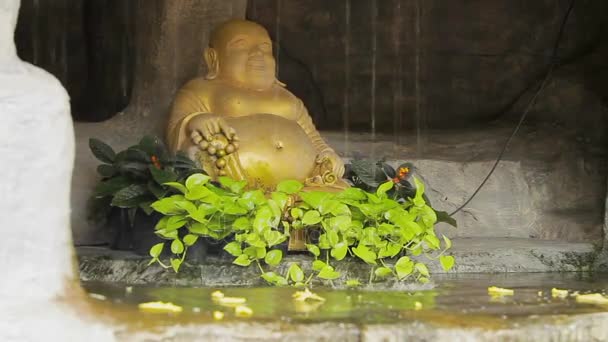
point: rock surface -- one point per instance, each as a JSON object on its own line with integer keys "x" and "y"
{"x": 472, "y": 256}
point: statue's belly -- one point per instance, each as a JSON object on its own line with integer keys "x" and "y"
{"x": 273, "y": 149}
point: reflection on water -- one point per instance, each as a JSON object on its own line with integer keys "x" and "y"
{"x": 456, "y": 300}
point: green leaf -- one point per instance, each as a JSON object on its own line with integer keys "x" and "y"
{"x": 280, "y": 199}
{"x": 106, "y": 170}
{"x": 102, "y": 151}
{"x": 199, "y": 191}
{"x": 404, "y": 267}
{"x": 168, "y": 205}
{"x": 339, "y": 251}
{"x": 189, "y": 207}
{"x": 255, "y": 252}
{"x": 177, "y": 186}
{"x": 162, "y": 176}
{"x": 196, "y": 180}
{"x": 234, "y": 209}
{"x": 157, "y": 190}
{"x": 251, "y": 199}
{"x": 419, "y": 198}
{"x": 289, "y": 186}
{"x": 383, "y": 188}
{"x": 448, "y": 242}
{"x": 328, "y": 273}
{"x": 175, "y": 264}
{"x": 353, "y": 283}
{"x": 130, "y": 196}
{"x": 332, "y": 238}
{"x": 177, "y": 247}
{"x": 176, "y": 222}
{"x": 328, "y": 205}
{"x": 421, "y": 268}
{"x": 233, "y": 185}
{"x": 145, "y": 206}
{"x": 341, "y": 210}
{"x": 190, "y": 239}
{"x": 318, "y": 265}
{"x": 296, "y": 213}
{"x": 423, "y": 280}
{"x": 311, "y": 217}
{"x": 242, "y": 260}
{"x": 323, "y": 242}
{"x": 156, "y": 250}
{"x": 167, "y": 234}
{"x": 447, "y": 262}
{"x": 274, "y": 279}
{"x": 341, "y": 223}
{"x": 365, "y": 254}
{"x": 234, "y": 248}
{"x": 382, "y": 272}
{"x": 314, "y": 250}
{"x": 314, "y": 198}
{"x": 443, "y": 216}
{"x": 111, "y": 186}
{"x": 273, "y": 257}
{"x": 274, "y": 237}
{"x": 295, "y": 273}
{"x": 241, "y": 223}
{"x": 354, "y": 194}
{"x": 432, "y": 241}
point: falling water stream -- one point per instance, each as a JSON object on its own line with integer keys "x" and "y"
{"x": 374, "y": 20}
{"x": 346, "y": 91}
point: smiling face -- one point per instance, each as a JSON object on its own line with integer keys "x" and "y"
{"x": 244, "y": 53}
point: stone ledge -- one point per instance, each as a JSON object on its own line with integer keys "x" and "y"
{"x": 473, "y": 255}
{"x": 585, "y": 327}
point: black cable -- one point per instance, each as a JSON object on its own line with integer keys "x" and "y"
{"x": 529, "y": 106}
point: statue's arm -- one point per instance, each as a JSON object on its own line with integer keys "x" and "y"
{"x": 324, "y": 151}
{"x": 305, "y": 121}
{"x": 186, "y": 106}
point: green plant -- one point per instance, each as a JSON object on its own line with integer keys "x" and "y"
{"x": 132, "y": 179}
{"x": 369, "y": 175}
{"x": 373, "y": 227}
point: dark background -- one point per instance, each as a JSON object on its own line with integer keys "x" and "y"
{"x": 406, "y": 63}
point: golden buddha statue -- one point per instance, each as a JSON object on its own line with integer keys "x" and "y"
{"x": 240, "y": 121}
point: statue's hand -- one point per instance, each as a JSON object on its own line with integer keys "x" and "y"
{"x": 208, "y": 125}
{"x": 335, "y": 160}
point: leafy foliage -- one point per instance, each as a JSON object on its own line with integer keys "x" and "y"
{"x": 370, "y": 176}
{"x": 134, "y": 178}
{"x": 373, "y": 227}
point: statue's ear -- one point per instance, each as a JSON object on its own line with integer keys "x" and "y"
{"x": 213, "y": 64}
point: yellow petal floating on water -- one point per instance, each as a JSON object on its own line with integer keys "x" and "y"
{"x": 97, "y": 296}
{"x": 557, "y": 293}
{"x": 592, "y": 298}
{"x": 302, "y": 296}
{"x": 243, "y": 311}
{"x": 417, "y": 306}
{"x": 221, "y": 299}
{"x": 218, "y": 315}
{"x": 160, "y": 307}
{"x": 499, "y": 291}
{"x": 217, "y": 295}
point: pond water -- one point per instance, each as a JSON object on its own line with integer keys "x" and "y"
{"x": 459, "y": 300}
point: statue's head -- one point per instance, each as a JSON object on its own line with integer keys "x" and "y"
{"x": 240, "y": 52}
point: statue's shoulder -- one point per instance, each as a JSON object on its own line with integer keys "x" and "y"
{"x": 284, "y": 93}
{"x": 199, "y": 85}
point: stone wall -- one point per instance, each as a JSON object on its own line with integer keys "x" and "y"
{"x": 437, "y": 64}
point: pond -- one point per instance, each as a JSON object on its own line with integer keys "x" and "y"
{"x": 451, "y": 301}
